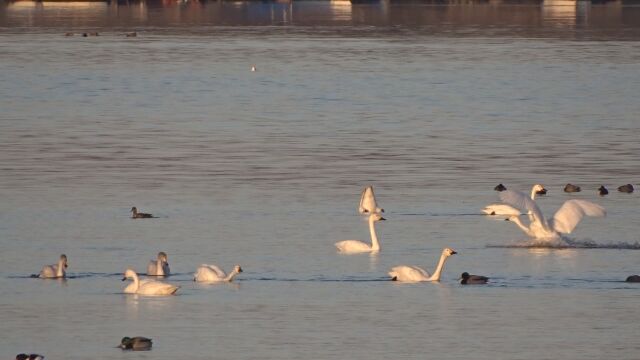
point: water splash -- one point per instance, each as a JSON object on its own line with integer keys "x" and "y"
{"x": 567, "y": 243}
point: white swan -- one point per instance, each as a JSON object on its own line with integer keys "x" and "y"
{"x": 159, "y": 267}
{"x": 405, "y": 273}
{"x": 357, "y": 246}
{"x": 368, "y": 204}
{"x": 563, "y": 222}
{"x": 147, "y": 287}
{"x": 212, "y": 273}
{"x": 55, "y": 271}
{"x": 502, "y": 209}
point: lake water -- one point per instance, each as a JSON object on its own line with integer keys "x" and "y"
{"x": 432, "y": 103}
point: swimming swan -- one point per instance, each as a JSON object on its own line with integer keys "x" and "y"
{"x": 147, "y": 287}
{"x": 55, "y": 271}
{"x": 368, "y": 204}
{"x": 564, "y": 221}
{"x": 357, "y": 246}
{"x": 502, "y": 209}
{"x": 159, "y": 267}
{"x": 404, "y": 273}
{"x": 212, "y": 273}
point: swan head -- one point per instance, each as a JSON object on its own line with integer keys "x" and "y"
{"x": 237, "y": 269}
{"x": 539, "y": 189}
{"x": 375, "y": 217}
{"x": 162, "y": 257}
{"x": 63, "y": 260}
{"x": 129, "y": 274}
{"x": 448, "y": 252}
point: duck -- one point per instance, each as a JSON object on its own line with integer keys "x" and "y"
{"x": 131, "y": 34}
{"x": 633, "y": 278}
{"x": 466, "y": 279}
{"x": 137, "y": 343}
{"x": 212, "y": 273}
{"x": 159, "y": 267}
{"x": 500, "y": 188}
{"x": 139, "y": 215}
{"x": 147, "y": 286}
{"x": 502, "y": 209}
{"x": 564, "y": 221}
{"x": 626, "y": 188}
{"x": 602, "y": 191}
{"x": 29, "y": 357}
{"x": 570, "y": 188}
{"x": 357, "y": 246}
{"x": 406, "y": 273}
{"x": 368, "y": 204}
{"x": 55, "y": 271}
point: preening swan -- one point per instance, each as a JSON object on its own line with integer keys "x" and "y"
{"x": 563, "y": 222}
{"x": 139, "y": 215}
{"x": 147, "y": 287}
{"x": 137, "y": 343}
{"x": 159, "y": 267}
{"x": 357, "y": 246}
{"x": 368, "y": 204}
{"x": 502, "y": 209}
{"x": 212, "y": 273}
{"x": 466, "y": 279}
{"x": 406, "y": 273}
{"x": 55, "y": 271}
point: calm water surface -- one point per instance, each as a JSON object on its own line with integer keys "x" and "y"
{"x": 432, "y": 103}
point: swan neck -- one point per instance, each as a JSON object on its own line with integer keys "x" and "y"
{"x": 533, "y": 193}
{"x": 136, "y": 281}
{"x": 60, "y": 269}
{"x": 375, "y": 245}
{"x": 231, "y": 275}
{"x": 439, "y": 268}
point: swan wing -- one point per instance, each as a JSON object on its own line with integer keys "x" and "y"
{"x": 367, "y": 201}
{"x": 406, "y": 273}
{"x": 522, "y": 202}
{"x": 156, "y": 288}
{"x": 216, "y": 270}
{"x": 209, "y": 273}
{"x": 352, "y": 246}
{"x": 500, "y": 209}
{"x": 571, "y": 212}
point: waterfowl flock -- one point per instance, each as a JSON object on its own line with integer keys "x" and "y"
{"x": 514, "y": 204}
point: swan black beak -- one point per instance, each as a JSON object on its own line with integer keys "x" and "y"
{"x": 453, "y": 252}
{"x": 124, "y": 278}
{"x": 507, "y": 219}
{"x": 542, "y": 192}
{"x": 381, "y": 210}
{"x": 382, "y": 219}
{"x": 239, "y": 270}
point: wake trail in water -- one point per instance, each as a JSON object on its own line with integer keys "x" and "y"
{"x": 569, "y": 244}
